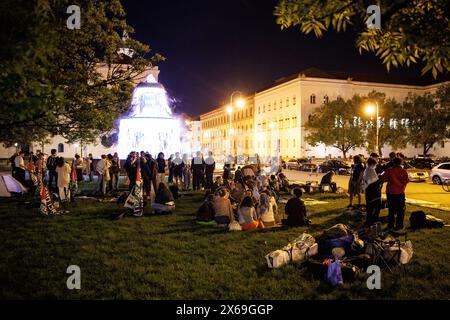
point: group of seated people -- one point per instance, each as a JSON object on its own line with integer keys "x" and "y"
{"x": 251, "y": 201}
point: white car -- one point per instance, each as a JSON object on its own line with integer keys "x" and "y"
{"x": 440, "y": 173}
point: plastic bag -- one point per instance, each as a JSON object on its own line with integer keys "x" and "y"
{"x": 334, "y": 273}
{"x": 406, "y": 252}
{"x": 234, "y": 226}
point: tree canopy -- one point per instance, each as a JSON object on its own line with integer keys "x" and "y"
{"x": 411, "y": 31}
{"x": 50, "y": 82}
{"x": 335, "y": 124}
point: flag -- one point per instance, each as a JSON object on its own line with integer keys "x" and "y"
{"x": 47, "y": 207}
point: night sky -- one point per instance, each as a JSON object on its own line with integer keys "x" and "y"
{"x": 215, "y": 47}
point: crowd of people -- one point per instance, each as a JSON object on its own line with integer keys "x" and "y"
{"x": 247, "y": 195}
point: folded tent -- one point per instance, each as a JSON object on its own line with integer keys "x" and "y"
{"x": 10, "y": 186}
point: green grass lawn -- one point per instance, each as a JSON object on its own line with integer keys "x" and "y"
{"x": 172, "y": 257}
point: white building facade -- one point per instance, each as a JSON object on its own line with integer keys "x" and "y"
{"x": 282, "y": 110}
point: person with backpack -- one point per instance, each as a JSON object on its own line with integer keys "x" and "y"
{"x": 178, "y": 167}
{"x": 206, "y": 214}
{"x": 295, "y": 210}
{"x": 51, "y": 167}
{"x": 397, "y": 180}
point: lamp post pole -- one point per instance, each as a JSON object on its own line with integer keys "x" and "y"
{"x": 377, "y": 126}
{"x": 232, "y": 131}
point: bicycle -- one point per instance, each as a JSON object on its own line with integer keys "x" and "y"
{"x": 446, "y": 185}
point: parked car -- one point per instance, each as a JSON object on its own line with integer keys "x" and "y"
{"x": 415, "y": 174}
{"x": 338, "y": 166}
{"x": 440, "y": 173}
{"x": 422, "y": 163}
{"x": 308, "y": 167}
{"x": 295, "y": 164}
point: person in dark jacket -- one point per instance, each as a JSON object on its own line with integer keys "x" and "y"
{"x": 327, "y": 180}
{"x": 210, "y": 166}
{"x": 164, "y": 201}
{"x": 206, "y": 211}
{"x": 296, "y": 210}
{"x": 197, "y": 170}
{"x": 51, "y": 167}
{"x": 170, "y": 165}
{"x": 130, "y": 167}
{"x": 178, "y": 168}
{"x": 146, "y": 176}
{"x": 160, "y": 169}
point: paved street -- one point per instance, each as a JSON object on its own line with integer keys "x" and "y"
{"x": 424, "y": 193}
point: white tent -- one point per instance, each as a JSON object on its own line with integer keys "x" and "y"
{"x": 9, "y": 186}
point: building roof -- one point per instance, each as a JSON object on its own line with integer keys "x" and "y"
{"x": 362, "y": 77}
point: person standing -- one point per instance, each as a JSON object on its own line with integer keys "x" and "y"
{"x": 354, "y": 185}
{"x": 161, "y": 169}
{"x": 170, "y": 165}
{"x": 187, "y": 170}
{"x": 115, "y": 171}
{"x": 51, "y": 167}
{"x": 63, "y": 170}
{"x": 397, "y": 180}
{"x": 78, "y": 167}
{"x": 178, "y": 167}
{"x": 19, "y": 164}
{"x": 101, "y": 168}
{"x": 130, "y": 167}
{"x": 197, "y": 170}
{"x": 210, "y": 166}
{"x": 91, "y": 167}
{"x": 372, "y": 189}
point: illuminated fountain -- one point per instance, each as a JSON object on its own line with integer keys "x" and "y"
{"x": 150, "y": 125}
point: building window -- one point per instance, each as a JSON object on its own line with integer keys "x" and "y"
{"x": 287, "y": 123}
{"x": 281, "y": 103}
{"x": 268, "y": 107}
{"x": 264, "y": 108}
{"x": 325, "y": 99}
{"x": 274, "y": 105}
{"x": 293, "y": 144}
{"x": 259, "y": 109}
{"x": 61, "y": 148}
{"x": 281, "y": 123}
{"x": 294, "y": 100}
{"x": 294, "y": 122}
{"x": 287, "y": 102}
{"x": 312, "y": 99}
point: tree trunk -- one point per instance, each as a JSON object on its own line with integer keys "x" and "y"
{"x": 426, "y": 148}
{"x": 379, "y": 152}
{"x": 345, "y": 154}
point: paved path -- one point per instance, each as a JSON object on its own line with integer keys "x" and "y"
{"x": 422, "y": 193}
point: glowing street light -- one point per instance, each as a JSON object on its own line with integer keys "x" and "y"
{"x": 373, "y": 109}
{"x": 240, "y": 103}
{"x": 230, "y": 110}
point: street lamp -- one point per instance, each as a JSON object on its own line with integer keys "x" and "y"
{"x": 240, "y": 103}
{"x": 372, "y": 109}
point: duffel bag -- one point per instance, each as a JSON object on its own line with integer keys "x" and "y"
{"x": 433, "y": 222}
{"x": 278, "y": 258}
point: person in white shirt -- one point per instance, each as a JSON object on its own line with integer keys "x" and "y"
{"x": 63, "y": 169}
{"x": 101, "y": 168}
{"x": 20, "y": 167}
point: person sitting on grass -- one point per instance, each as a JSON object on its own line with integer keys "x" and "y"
{"x": 164, "y": 201}
{"x": 205, "y": 214}
{"x": 222, "y": 207}
{"x": 247, "y": 215}
{"x": 268, "y": 209}
{"x": 296, "y": 210}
